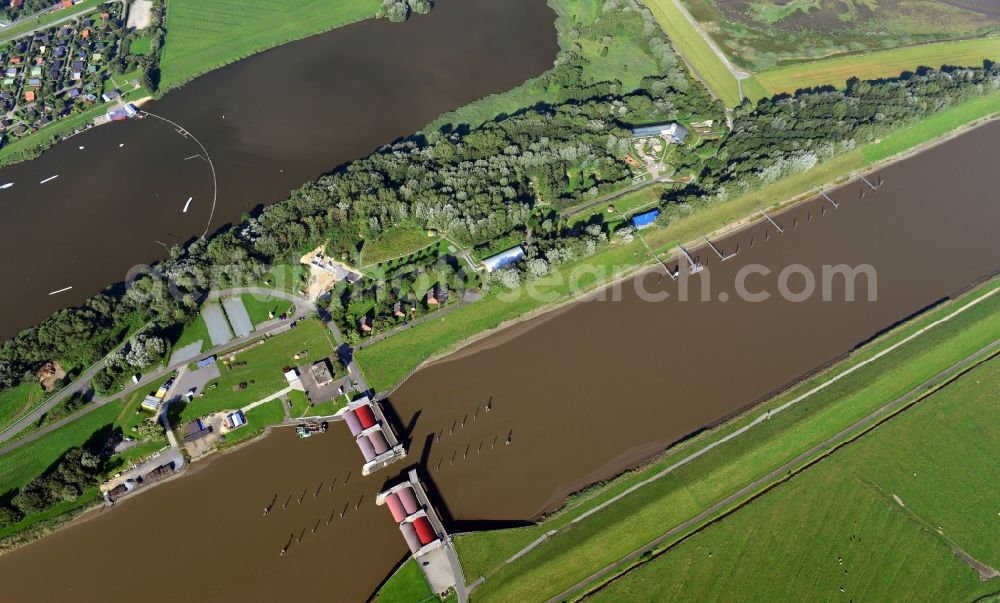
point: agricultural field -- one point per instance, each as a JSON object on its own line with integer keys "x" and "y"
{"x": 764, "y": 34}
{"x": 885, "y": 63}
{"x": 204, "y": 35}
{"x": 885, "y": 516}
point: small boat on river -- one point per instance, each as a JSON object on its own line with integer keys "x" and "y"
{"x": 305, "y": 430}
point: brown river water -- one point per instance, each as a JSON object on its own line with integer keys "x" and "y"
{"x": 269, "y": 123}
{"x": 583, "y": 393}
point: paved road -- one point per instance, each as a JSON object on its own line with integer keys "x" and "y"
{"x": 808, "y": 457}
{"x": 82, "y": 384}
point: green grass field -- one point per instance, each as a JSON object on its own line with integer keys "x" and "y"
{"x": 696, "y": 51}
{"x": 326, "y": 409}
{"x": 262, "y": 374}
{"x": 141, "y": 46}
{"x": 206, "y": 34}
{"x": 638, "y": 518}
{"x": 877, "y": 519}
{"x": 870, "y": 65}
{"x": 17, "y": 401}
{"x": 259, "y": 308}
{"x": 258, "y": 419}
{"x": 300, "y": 404}
{"x": 19, "y": 466}
{"x": 195, "y": 331}
{"x": 394, "y": 243}
{"x": 407, "y": 585}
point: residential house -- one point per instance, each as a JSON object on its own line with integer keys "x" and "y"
{"x": 397, "y": 310}
{"x": 29, "y": 96}
{"x": 364, "y": 323}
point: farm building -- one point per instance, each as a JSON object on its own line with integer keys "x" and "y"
{"x": 503, "y": 258}
{"x": 645, "y": 219}
{"x": 672, "y": 132}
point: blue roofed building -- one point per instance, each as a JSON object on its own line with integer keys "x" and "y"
{"x": 503, "y": 258}
{"x": 645, "y": 219}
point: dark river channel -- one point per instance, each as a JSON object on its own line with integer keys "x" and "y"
{"x": 583, "y": 393}
{"x": 270, "y": 123}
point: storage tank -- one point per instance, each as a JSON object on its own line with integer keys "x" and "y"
{"x": 352, "y": 422}
{"x": 410, "y": 536}
{"x": 366, "y": 448}
{"x": 424, "y": 530}
{"x": 395, "y": 507}
{"x": 379, "y": 442}
{"x": 409, "y": 500}
{"x": 366, "y": 416}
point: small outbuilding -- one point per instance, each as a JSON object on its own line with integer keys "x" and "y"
{"x": 645, "y": 219}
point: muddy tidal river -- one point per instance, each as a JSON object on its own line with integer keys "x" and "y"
{"x": 583, "y": 393}
{"x": 269, "y": 123}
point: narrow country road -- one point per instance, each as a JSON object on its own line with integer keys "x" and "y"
{"x": 82, "y": 384}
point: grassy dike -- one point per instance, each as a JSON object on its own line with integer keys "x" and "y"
{"x": 611, "y": 533}
{"x": 580, "y": 549}
{"x": 390, "y": 361}
{"x": 879, "y": 518}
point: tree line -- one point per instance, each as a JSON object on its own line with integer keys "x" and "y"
{"x": 482, "y": 184}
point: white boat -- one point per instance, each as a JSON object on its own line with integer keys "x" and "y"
{"x": 49, "y": 179}
{"x": 187, "y": 205}
{"x": 6, "y": 186}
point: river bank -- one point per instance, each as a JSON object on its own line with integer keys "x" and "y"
{"x": 351, "y": 84}
{"x": 532, "y": 404}
{"x": 389, "y": 363}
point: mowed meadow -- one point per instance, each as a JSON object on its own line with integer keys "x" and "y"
{"x": 870, "y": 65}
{"x": 206, "y": 34}
{"x": 889, "y": 516}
